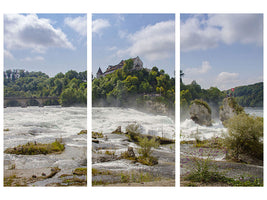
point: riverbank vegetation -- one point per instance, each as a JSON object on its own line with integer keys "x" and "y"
{"x": 33, "y": 148}
{"x": 127, "y": 87}
{"x": 70, "y": 88}
{"x": 242, "y": 144}
{"x": 244, "y": 136}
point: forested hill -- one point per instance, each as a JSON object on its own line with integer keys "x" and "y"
{"x": 71, "y": 87}
{"x": 249, "y": 95}
{"x": 126, "y": 87}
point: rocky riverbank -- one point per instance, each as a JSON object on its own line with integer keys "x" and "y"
{"x": 111, "y": 169}
{"x": 232, "y": 173}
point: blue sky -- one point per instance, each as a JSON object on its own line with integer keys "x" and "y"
{"x": 117, "y": 37}
{"x": 50, "y": 43}
{"x": 222, "y": 50}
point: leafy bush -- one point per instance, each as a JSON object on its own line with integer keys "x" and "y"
{"x": 146, "y": 146}
{"x": 146, "y": 150}
{"x": 134, "y": 131}
{"x": 233, "y": 104}
{"x": 245, "y": 136}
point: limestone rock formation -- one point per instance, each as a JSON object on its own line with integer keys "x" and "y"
{"x": 229, "y": 109}
{"x": 200, "y": 113}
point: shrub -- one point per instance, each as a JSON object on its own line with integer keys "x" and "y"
{"x": 146, "y": 146}
{"x": 245, "y": 136}
{"x": 134, "y": 131}
{"x": 97, "y": 135}
{"x": 145, "y": 151}
{"x": 233, "y": 104}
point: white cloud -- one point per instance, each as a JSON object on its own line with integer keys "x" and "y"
{"x": 227, "y": 76}
{"x": 204, "y": 68}
{"x": 7, "y": 54}
{"x": 113, "y": 48}
{"x": 226, "y": 80}
{"x": 98, "y": 25}
{"x": 153, "y": 42}
{"x": 194, "y": 37}
{"x": 122, "y": 34}
{"x": 31, "y": 32}
{"x": 79, "y": 24}
{"x": 30, "y": 59}
{"x": 198, "y": 33}
{"x": 243, "y": 28}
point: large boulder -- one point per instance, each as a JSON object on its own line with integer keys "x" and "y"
{"x": 229, "y": 109}
{"x": 200, "y": 112}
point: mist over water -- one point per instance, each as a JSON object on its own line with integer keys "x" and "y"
{"x": 107, "y": 119}
{"x": 189, "y": 130}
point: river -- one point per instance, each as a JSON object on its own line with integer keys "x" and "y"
{"x": 44, "y": 125}
{"x": 107, "y": 119}
{"x": 189, "y": 130}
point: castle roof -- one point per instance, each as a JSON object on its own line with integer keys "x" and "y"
{"x": 99, "y": 71}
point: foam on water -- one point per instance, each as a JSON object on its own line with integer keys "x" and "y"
{"x": 107, "y": 119}
{"x": 44, "y": 125}
{"x": 190, "y": 130}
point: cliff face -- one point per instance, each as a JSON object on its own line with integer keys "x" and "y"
{"x": 200, "y": 114}
{"x": 229, "y": 109}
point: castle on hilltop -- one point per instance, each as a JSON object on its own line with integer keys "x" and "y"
{"x": 137, "y": 65}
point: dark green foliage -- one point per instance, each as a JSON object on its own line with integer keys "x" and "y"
{"x": 71, "y": 88}
{"x": 233, "y": 104}
{"x": 126, "y": 86}
{"x": 246, "y": 96}
{"x": 245, "y": 136}
{"x": 249, "y": 96}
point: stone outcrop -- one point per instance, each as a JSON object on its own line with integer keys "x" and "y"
{"x": 229, "y": 109}
{"x": 200, "y": 113}
{"x": 118, "y": 130}
{"x": 156, "y": 107}
{"x": 131, "y": 152}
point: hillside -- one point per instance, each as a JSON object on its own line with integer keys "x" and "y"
{"x": 249, "y": 95}
{"x": 128, "y": 87}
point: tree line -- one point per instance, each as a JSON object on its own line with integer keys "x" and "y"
{"x": 246, "y": 96}
{"x": 126, "y": 86}
{"x": 71, "y": 87}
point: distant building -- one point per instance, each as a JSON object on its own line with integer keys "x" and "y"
{"x": 137, "y": 65}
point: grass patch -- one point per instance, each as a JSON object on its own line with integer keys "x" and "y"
{"x": 33, "y": 148}
{"x": 148, "y": 160}
{"x": 80, "y": 171}
{"x": 82, "y": 132}
{"x": 97, "y": 135}
{"x": 98, "y": 172}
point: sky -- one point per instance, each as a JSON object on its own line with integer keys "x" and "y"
{"x": 221, "y": 50}
{"x": 50, "y": 43}
{"x": 117, "y": 37}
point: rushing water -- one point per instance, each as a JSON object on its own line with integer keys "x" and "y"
{"x": 107, "y": 119}
{"x": 44, "y": 125}
{"x": 190, "y": 130}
